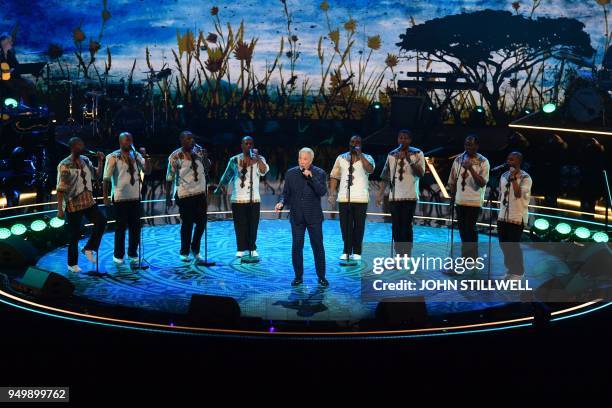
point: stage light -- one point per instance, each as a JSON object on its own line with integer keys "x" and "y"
{"x": 11, "y": 103}
{"x": 56, "y": 222}
{"x": 582, "y": 233}
{"x": 480, "y": 109}
{"x": 541, "y": 228}
{"x": 601, "y": 237}
{"x": 376, "y": 105}
{"x": 562, "y": 230}
{"x": 18, "y": 229}
{"x": 180, "y": 106}
{"x": 38, "y": 225}
{"x": 549, "y": 107}
{"x": 5, "y": 233}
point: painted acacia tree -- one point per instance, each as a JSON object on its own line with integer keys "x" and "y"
{"x": 490, "y": 46}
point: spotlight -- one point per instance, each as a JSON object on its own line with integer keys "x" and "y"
{"x": 562, "y": 231}
{"x": 18, "y": 229}
{"x": 180, "y": 106}
{"x": 38, "y": 225}
{"x": 5, "y": 233}
{"x": 541, "y": 228}
{"x": 479, "y": 109}
{"x": 377, "y": 105}
{"x": 478, "y": 117}
{"x": 601, "y": 237}
{"x": 550, "y": 107}
{"x": 11, "y": 103}
{"x": 582, "y": 234}
{"x": 56, "y": 222}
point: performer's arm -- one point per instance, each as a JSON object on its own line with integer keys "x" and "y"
{"x": 100, "y": 167}
{"x": 227, "y": 176}
{"x": 368, "y": 163}
{"x": 63, "y": 178}
{"x": 109, "y": 167}
{"x": 317, "y": 182}
{"x": 285, "y": 195}
{"x": 170, "y": 180}
{"x": 418, "y": 166}
{"x": 482, "y": 178}
{"x": 335, "y": 175}
{"x": 384, "y": 180}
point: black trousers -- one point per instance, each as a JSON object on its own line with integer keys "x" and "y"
{"x": 467, "y": 217}
{"x": 315, "y": 234}
{"x": 246, "y": 222}
{"x": 73, "y": 223}
{"x": 402, "y": 214}
{"x": 509, "y": 237}
{"x": 352, "y": 226}
{"x": 193, "y": 212}
{"x": 127, "y": 216}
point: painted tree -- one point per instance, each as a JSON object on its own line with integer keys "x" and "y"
{"x": 490, "y": 46}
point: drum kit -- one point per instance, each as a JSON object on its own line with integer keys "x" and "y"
{"x": 102, "y": 107}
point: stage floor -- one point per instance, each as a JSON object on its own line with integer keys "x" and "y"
{"x": 262, "y": 289}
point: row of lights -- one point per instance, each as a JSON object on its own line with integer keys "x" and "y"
{"x": 36, "y": 226}
{"x": 564, "y": 232}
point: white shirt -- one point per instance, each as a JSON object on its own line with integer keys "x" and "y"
{"x": 180, "y": 172}
{"x": 514, "y": 209}
{"x": 404, "y": 181}
{"x": 468, "y": 192}
{"x": 360, "y": 187}
{"x": 72, "y": 180}
{"x": 241, "y": 183}
{"x": 117, "y": 171}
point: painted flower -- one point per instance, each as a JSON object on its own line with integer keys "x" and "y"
{"x": 106, "y": 15}
{"x": 78, "y": 35}
{"x": 212, "y": 38}
{"x": 513, "y": 82}
{"x": 55, "y": 51}
{"x": 391, "y": 61}
{"x": 214, "y": 10}
{"x": 94, "y": 47}
{"x": 244, "y": 51}
{"x": 294, "y": 38}
{"x": 374, "y": 42}
{"x": 603, "y": 2}
{"x": 324, "y": 6}
{"x": 335, "y": 37}
{"x": 350, "y": 25}
{"x": 516, "y": 5}
{"x": 214, "y": 63}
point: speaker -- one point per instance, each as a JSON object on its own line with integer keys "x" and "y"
{"x": 15, "y": 252}
{"x": 404, "y": 311}
{"x": 43, "y": 284}
{"x": 407, "y": 111}
{"x": 214, "y": 310}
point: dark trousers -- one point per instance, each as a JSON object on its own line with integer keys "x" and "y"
{"x": 193, "y": 212}
{"x": 352, "y": 226}
{"x": 402, "y": 214}
{"x": 467, "y": 217}
{"x": 509, "y": 237}
{"x": 127, "y": 216}
{"x": 73, "y": 223}
{"x": 315, "y": 234}
{"x": 246, "y": 222}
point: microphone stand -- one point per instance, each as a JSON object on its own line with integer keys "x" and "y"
{"x": 608, "y": 199}
{"x": 140, "y": 266}
{"x": 206, "y": 262}
{"x": 349, "y": 262}
{"x": 489, "y": 204}
{"x": 393, "y": 196}
{"x": 452, "y": 209}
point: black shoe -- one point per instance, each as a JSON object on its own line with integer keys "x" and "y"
{"x": 296, "y": 282}
{"x": 323, "y": 282}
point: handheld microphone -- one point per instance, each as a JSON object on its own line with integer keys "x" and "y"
{"x": 501, "y": 167}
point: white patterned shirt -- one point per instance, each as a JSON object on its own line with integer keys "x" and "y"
{"x": 512, "y": 209}
{"x": 468, "y": 192}
{"x": 241, "y": 179}
{"x": 187, "y": 181}
{"x": 360, "y": 187}
{"x": 126, "y": 183}
{"x": 399, "y": 172}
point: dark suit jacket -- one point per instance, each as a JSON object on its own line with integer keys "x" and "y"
{"x": 303, "y": 195}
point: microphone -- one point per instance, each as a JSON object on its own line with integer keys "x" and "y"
{"x": 501, "y": 167}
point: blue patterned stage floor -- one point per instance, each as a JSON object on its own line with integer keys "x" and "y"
{"x": 263, "y": 289}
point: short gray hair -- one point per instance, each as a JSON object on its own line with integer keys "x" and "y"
{"x": 307, "y": 150}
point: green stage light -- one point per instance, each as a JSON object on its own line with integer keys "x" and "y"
{"x": 582, "y": 233}
{"x": 601, "y": 237}
{"x": 5, "y": 233}
{"x": 549, "y": 107}
{"x": 38, "y": 225}
{"x": 11, "y": 103}
{"x": 56, "y": 222}
{"x": 376, "y": 105}
{"x": 18, "y": 229}
{"x": 480, "y": 109}
{"x": 541, "y": 224}
{"x": 563, "y": 229}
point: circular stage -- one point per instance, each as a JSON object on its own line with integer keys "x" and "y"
{"x": 263, "y": 289}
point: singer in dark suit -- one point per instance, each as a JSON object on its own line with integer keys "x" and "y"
{"x": 304, "y": 187}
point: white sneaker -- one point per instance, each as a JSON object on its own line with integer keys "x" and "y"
{"x": 89, "y": 254}
{"x": 185, "y": 258}
{"x": 74, "y": 269}
{"x": 239, "y": 254}
{"x": 118, "y": 261}
{"x": 510, "y": 276}
{"x": 356, "y": 257}
{"x": 198, "y": 258}
{"x": 134, "y": 259}
{"x": 343, "y": 257}
{"x": 254, "y": 254}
